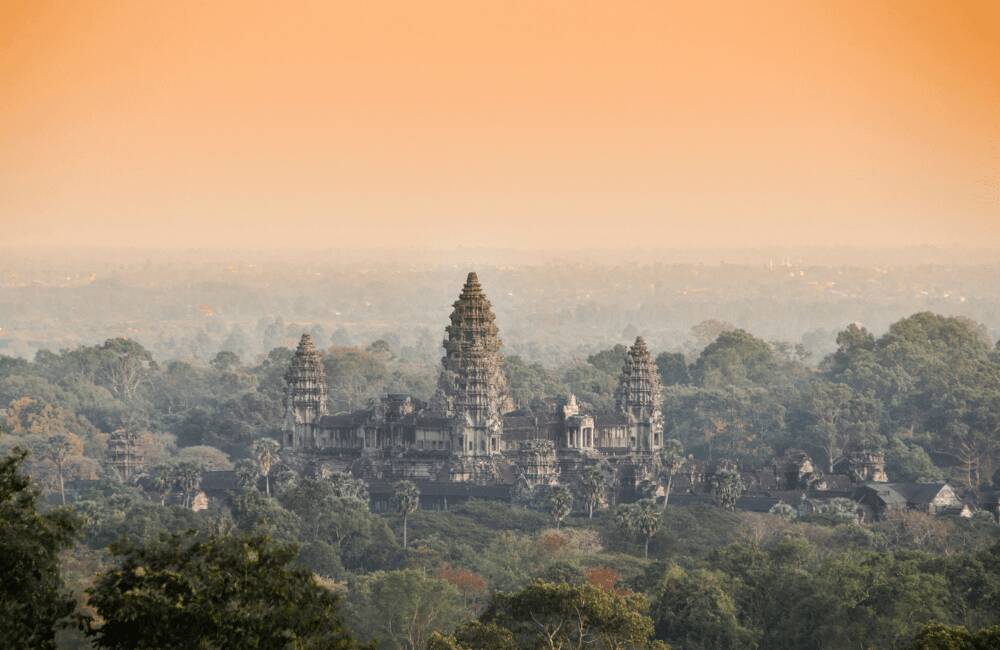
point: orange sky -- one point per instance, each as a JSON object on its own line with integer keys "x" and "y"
{"x": 527, "y": 124}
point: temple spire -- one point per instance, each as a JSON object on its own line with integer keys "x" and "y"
{"x": 306, "y": 399}
{"x": 472, "y": 386}
{"x": 639, "y": 395}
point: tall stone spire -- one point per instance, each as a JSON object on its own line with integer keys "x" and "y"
{"x": 306, "y": 399}
{"x": 123, "y": 453}
{"x": 472, "y": 386}
{"x": 639, "y": 396}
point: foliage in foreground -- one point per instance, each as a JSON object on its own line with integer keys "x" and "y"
{"x": 33, "y": 602}
{"x": 557, "y": 615}
{"x": 945, "y": 637}
{"x": 234, "y": 592}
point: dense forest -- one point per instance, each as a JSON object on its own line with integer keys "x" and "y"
{"x": 91, "y": 560}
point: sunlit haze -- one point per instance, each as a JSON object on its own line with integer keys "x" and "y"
{"x": 557, "y": 125}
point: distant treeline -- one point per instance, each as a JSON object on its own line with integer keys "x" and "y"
{"x": 547, "y": 312}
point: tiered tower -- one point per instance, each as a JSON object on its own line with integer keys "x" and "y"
{"x": 306, "y": 400}
{"x": 124, "y": 455}
{"x": 639, "y": 397}
{"x": 472, "y": 387}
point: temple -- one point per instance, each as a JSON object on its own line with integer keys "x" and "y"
{"x": 469, "y": 430}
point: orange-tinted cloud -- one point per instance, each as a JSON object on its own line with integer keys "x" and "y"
{"x": 547, "y": 124}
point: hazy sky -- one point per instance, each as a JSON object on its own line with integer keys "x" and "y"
{"x": 527, "y": 124}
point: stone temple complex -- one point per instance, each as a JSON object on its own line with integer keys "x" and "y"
{"x": 469, "y": 431}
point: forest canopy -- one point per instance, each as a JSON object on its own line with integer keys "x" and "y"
{"x": 926, "y": 393}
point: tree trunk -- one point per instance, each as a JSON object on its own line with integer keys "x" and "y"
{"x": 62, "y": 487}
{"x": 267, "y": 484}
{"x": 645, "y": 550}
{"x": 590, "y": 510}
{"x": 666, "y": 493}
{"x": 404, "y": 530}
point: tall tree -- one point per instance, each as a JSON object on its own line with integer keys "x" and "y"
{"x": 33, "y": 601}
{"x": 559, "y": 503}
{"x": 625, "y": 520}
{"x": 592, "y": 485}
{"x": 834, "y": 417}
{"x": 646, "y": 518}
{"x": 163, "y": 479}
{"x": 57, "y": 449}
{"x": 125, "y": 366}
{"x": 671, "y": 457}
{"x": 246, "y": 472}
{"x": 266, "y": 452}
{"x": 407, "y": 498}
{"x": 727, "y": 486}
{"x": 188, "y": 478}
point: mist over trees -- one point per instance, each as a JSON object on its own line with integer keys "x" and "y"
{"x": 924, "y": 390}
{"x": 189, "y": 307}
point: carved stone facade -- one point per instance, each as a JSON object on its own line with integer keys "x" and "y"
{"x": 124, "y": 455}
{"x": 469, "y": 430}
{"x": 862, "y": 465}
{"x": 640, "y": 398}
{"x": 472, "y": 388}
{"x": 306, "y": 400}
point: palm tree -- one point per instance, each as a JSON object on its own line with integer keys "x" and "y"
{"x": 671, "y": 457}
{"x": 407, "y": 499}
{"x": 592, "y": 485}
{"x": 246, "y": 472}
{"x": 163, "y": 480}
{"x": 625, "y": 520}
{"x": 727, "y": 486}
{"x": 266, "y": 452}
{"x": 188, "y": 477}
{"x": 646, "y": 521}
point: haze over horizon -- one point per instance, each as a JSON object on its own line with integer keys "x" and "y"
{"x": 557, "y": 126}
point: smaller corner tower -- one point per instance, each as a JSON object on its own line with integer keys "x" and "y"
{"x": 124, "y": 455}
{"x": 640, "y": 399}
{"x": 306, "y": 399}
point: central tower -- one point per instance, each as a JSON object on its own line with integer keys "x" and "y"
{"x": 472, "y": 387}
{"x": 640, "y": 399}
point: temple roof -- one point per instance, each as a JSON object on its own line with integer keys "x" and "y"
{"x": 609, "y": 419}
{"x": 306, "y": 362}
{"x": 639, "y": 384}
{"x": 306, "y": 344}
{"x": 340, "y": 420}
{"x": 472, "y": 381}
{"x": 919, "y": 493}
